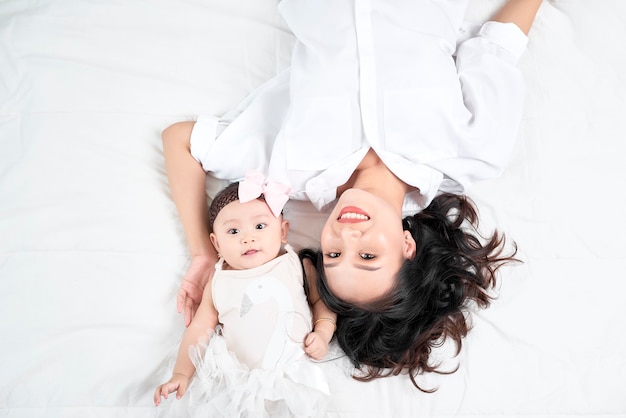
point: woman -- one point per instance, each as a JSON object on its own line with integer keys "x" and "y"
{"x": 387, "y": 107}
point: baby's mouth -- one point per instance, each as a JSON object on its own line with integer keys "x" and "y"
{"x": 251, "y": 252}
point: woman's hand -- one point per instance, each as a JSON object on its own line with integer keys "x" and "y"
{"x": 178, "y": 383}
{"x": 198, "y": 274}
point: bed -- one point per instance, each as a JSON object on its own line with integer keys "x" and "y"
{"x": 92, "y": 251}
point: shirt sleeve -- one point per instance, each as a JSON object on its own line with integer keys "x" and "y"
{"x": 493, "y": 92}
{"x": 466, "y": 30}
{"x": 243, "y": 138}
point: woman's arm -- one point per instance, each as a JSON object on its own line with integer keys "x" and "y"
{"x": 520, "y": 12}
{"x": 493, "y": 92}
{"x": 187, "y": 182}
{"x": 242, "y": 146}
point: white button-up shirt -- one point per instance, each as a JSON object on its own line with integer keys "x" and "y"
{"x": 441, "y": 107}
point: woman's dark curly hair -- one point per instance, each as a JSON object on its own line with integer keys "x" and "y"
{"x": 453, "y": 265}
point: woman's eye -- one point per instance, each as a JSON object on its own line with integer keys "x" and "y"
{"x": 261, "y": 226}
{"x": 232, "y": 231}
{"x": 366, "y": 256}
{"x": 333, "y": 254}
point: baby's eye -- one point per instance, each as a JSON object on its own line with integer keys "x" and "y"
{"x": 232, "y": 231}
{"x": 366, "y": 256}
{"x": 260, "y": 226}
{"x": 333, "y": 254}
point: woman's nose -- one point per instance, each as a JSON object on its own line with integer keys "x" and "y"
{"x": 351, "y": 233}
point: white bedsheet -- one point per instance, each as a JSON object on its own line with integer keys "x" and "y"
{"x": 92, "y": 251}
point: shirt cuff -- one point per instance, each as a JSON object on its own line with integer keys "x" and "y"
{"x": 507, "y": 36}
{"x": 466, "y": 31}
{"x": 203, "y": 135}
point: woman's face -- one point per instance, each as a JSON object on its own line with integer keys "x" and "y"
{"x": 364, "y": 246}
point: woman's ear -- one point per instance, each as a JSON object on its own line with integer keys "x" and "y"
{"x": 408, "y": 246}
{"x": 284, "y": 231}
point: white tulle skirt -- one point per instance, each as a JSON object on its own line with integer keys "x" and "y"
{"x": 224, "y": 387}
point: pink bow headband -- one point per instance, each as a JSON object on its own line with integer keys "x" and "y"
{"x": 254, "y": 185}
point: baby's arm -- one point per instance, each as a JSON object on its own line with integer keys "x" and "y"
{"x": 204, "y": 320}
{"x": 324, "y": 320}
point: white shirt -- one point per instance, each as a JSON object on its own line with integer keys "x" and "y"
{"x": 377, "y": 74}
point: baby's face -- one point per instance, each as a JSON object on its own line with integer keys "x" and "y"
{"x": 247, "y": 235}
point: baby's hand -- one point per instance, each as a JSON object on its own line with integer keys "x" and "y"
{"x": 178, "y": 383}
{"x": 315, "y": 346}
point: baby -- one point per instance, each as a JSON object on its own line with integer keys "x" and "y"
{"x": 257, "y": 305}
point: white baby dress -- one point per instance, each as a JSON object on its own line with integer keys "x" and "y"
{"x": 255, "y": 365}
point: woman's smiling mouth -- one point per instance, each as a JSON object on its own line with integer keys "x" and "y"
{"x": 352, "y": 214}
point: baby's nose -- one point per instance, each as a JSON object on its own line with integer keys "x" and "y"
{"x": 249, "y": 237}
